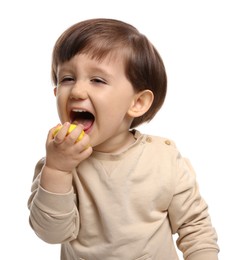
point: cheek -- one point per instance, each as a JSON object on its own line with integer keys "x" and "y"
{"x": 61, "y": 97}
{"x": 123, "y": 99}
{"x": 115, "y": 110}
{"x": 61, "y": 102}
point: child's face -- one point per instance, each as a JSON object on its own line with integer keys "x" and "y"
{"x": 101, "y": 89}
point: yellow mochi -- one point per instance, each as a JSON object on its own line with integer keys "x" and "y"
{"x": 71, "y": 128}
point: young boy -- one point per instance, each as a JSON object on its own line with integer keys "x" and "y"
{"x": 116, "y": 193}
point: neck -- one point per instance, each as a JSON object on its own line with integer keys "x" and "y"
{"x": 117, "y": 144}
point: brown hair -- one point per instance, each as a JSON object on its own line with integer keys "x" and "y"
{"x": 99, "y": 38}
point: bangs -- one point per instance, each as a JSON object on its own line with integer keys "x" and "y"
{"x": 96, "y": 46}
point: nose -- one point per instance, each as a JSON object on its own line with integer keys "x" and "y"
{"x": 79, "y": 91}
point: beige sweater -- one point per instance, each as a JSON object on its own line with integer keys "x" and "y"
{"x": 127, "y": 206}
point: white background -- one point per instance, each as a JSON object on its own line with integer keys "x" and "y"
{"x": 202, "y": 45}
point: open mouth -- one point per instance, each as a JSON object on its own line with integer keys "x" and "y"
{"x": 82, "y": 117}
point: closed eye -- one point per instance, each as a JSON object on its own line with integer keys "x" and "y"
{"x": 65, "y": 80}
{"x": 98, "y": 81}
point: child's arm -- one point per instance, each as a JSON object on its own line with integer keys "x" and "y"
{"x": 189, "y": 217}
{"x": 53, "y": 212}
{"x": 53, "y": 217}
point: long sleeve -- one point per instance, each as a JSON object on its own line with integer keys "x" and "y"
{"x": 54, "y": 217}
{"x": 189, "y": 216}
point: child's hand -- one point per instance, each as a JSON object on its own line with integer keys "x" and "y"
{"x": 65, "y": 150}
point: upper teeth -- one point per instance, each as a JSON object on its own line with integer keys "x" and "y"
{"x": 78, "y": 110}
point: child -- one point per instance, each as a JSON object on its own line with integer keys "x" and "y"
{"x": 116, "y": 193}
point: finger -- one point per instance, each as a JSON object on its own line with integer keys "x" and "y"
{"x": 61, "y": 132}
{"x": 75, "y": 134}
{"x": 50, "y": 133}
{"x": 82, "y": 145}
{"x": 86, "y": 153}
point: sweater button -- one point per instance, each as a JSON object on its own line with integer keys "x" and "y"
{"x": 167, "y": 142}
{"x": 149, "y": 139}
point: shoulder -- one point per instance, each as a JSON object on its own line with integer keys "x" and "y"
{"x": 160, "y": 142}
{"x": 158, "y": 146}
{"x": 167, "y": 142}
{"x": 154, "y": 139}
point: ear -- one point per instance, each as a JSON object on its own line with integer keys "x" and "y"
{"x": 55, "y": 91}
{"x": 141, "y": 103}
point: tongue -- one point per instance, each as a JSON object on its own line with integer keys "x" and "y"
{"x": 87, "y": 123}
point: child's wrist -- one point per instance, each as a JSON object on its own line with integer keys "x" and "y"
{"x": 55, "y": 180}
